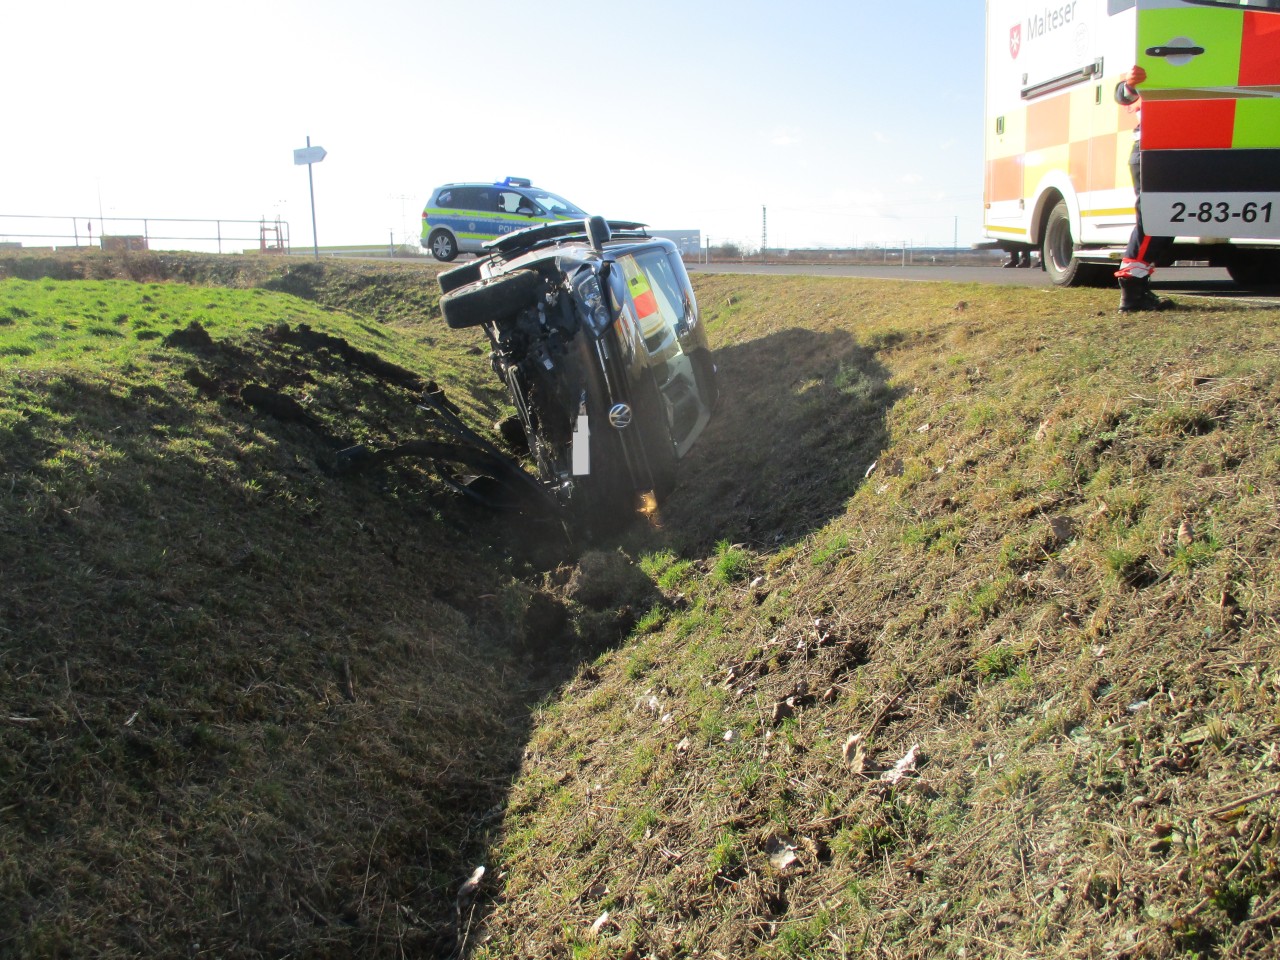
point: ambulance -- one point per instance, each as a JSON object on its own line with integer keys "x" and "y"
{"x": 1057, "y": 177}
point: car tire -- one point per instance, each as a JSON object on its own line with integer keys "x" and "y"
{"x": 489, "y": 301}
{"x": 458, "y": 277}
{"x": 443, "y": 245}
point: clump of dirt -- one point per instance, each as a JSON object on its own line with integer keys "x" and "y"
{"x": 192, "y": 337}
{"x": 605, "y": 579}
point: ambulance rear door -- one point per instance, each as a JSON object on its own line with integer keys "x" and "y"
{"x": 1210, "y": 117}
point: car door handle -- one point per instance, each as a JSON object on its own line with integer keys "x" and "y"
{"x": 1174, "y": 51}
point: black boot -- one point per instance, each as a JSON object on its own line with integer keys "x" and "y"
{"x": 1136, "y": 294}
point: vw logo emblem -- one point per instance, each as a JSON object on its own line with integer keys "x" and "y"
{"x": 620, "y": 416}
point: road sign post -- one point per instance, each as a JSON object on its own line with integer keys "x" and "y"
{"x": 310, "y": 155}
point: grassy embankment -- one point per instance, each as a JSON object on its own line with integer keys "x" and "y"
{"x": 253, "y": 707}
{"x": 249, "y": 706}
{"x": 1028, "y": 544}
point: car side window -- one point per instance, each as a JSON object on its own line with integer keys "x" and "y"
{"x": 511, "y": 202}
{"x": 472, "y": 198}
{"x": 445, "y": 198}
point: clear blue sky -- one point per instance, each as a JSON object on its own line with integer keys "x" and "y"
{"x": 853, "y": 121}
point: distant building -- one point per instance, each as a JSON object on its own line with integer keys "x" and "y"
{"x": 688, "y": 242}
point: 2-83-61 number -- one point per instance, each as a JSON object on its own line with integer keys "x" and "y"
{"x": 1220, "y": 212}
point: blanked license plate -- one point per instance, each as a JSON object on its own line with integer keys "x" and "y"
{"x": 1239, "y": 215}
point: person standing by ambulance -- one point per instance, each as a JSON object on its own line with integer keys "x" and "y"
{"x": 1141, "y": 254}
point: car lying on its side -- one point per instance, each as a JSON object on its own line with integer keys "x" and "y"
{"x": 595, "y": 332}
{"x": 464, "y": 216}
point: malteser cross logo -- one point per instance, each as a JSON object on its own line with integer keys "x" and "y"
{"x": 1015, "y": 40}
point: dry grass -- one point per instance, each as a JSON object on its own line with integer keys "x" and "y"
{"x": 253, "y": 708}
{"x": 1059, "y": 582}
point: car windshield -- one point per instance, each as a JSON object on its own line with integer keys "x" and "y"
{"x": 557, "y": 205}
{"x": 655, "y": 294}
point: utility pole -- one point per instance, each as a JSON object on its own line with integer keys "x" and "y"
{"x": 764, "y": 231}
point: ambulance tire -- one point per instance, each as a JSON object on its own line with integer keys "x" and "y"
{"x": 443, "y": 246}
{"x": 451, "y": 280}
{"x": 1057, "y": 249}
{"x": 489, "y": 301}
{"x": 1255, "y": 269}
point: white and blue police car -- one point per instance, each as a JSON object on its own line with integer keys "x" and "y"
{"x": 461, "y": 217}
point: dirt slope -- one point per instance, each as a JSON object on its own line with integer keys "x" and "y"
{"x": 252, "y": 704}
{"x": 1004, "y": 543}
{"x": 970, "y": 649}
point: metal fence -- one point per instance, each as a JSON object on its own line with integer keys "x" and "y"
{"x": 32, "y": 231}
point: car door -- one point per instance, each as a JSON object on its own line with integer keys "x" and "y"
{"x": 510, "y": 217}
{"x": 1210, "y": 117}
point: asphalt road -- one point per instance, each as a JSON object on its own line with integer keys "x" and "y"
{"x": 1211, "y": 282}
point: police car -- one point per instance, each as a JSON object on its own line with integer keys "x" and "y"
{"x": 460, "y": 217}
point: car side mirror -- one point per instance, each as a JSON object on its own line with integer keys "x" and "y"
{"x": 525, "y": 212}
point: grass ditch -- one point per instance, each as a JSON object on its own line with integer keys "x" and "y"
{"x": 250, "y": 704}
{"x": 1016, "y": 547}
{"x": 1005, "y": 540}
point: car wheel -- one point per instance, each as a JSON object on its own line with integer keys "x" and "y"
{"x": 451, "y": 280}
{"x": 1255, "y": 269}
{"x": 489, "y": 301}
{"x": 442, "y": 245}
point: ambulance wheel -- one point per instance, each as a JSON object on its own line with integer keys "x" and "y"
{"x": 442, "y": 245}
{"x": 1255, "y": 269}
{"x": 1057, "y": 249}
{"x": 489, "y": 301}
{"x": 451, "y": 280}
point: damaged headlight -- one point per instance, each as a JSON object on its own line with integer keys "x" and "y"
{"x": 589, "y": 296}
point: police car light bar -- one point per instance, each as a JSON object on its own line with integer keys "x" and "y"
{"x": 515, "y": 182}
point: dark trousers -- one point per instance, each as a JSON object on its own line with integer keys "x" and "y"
{"x": 1142, "y": 247}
